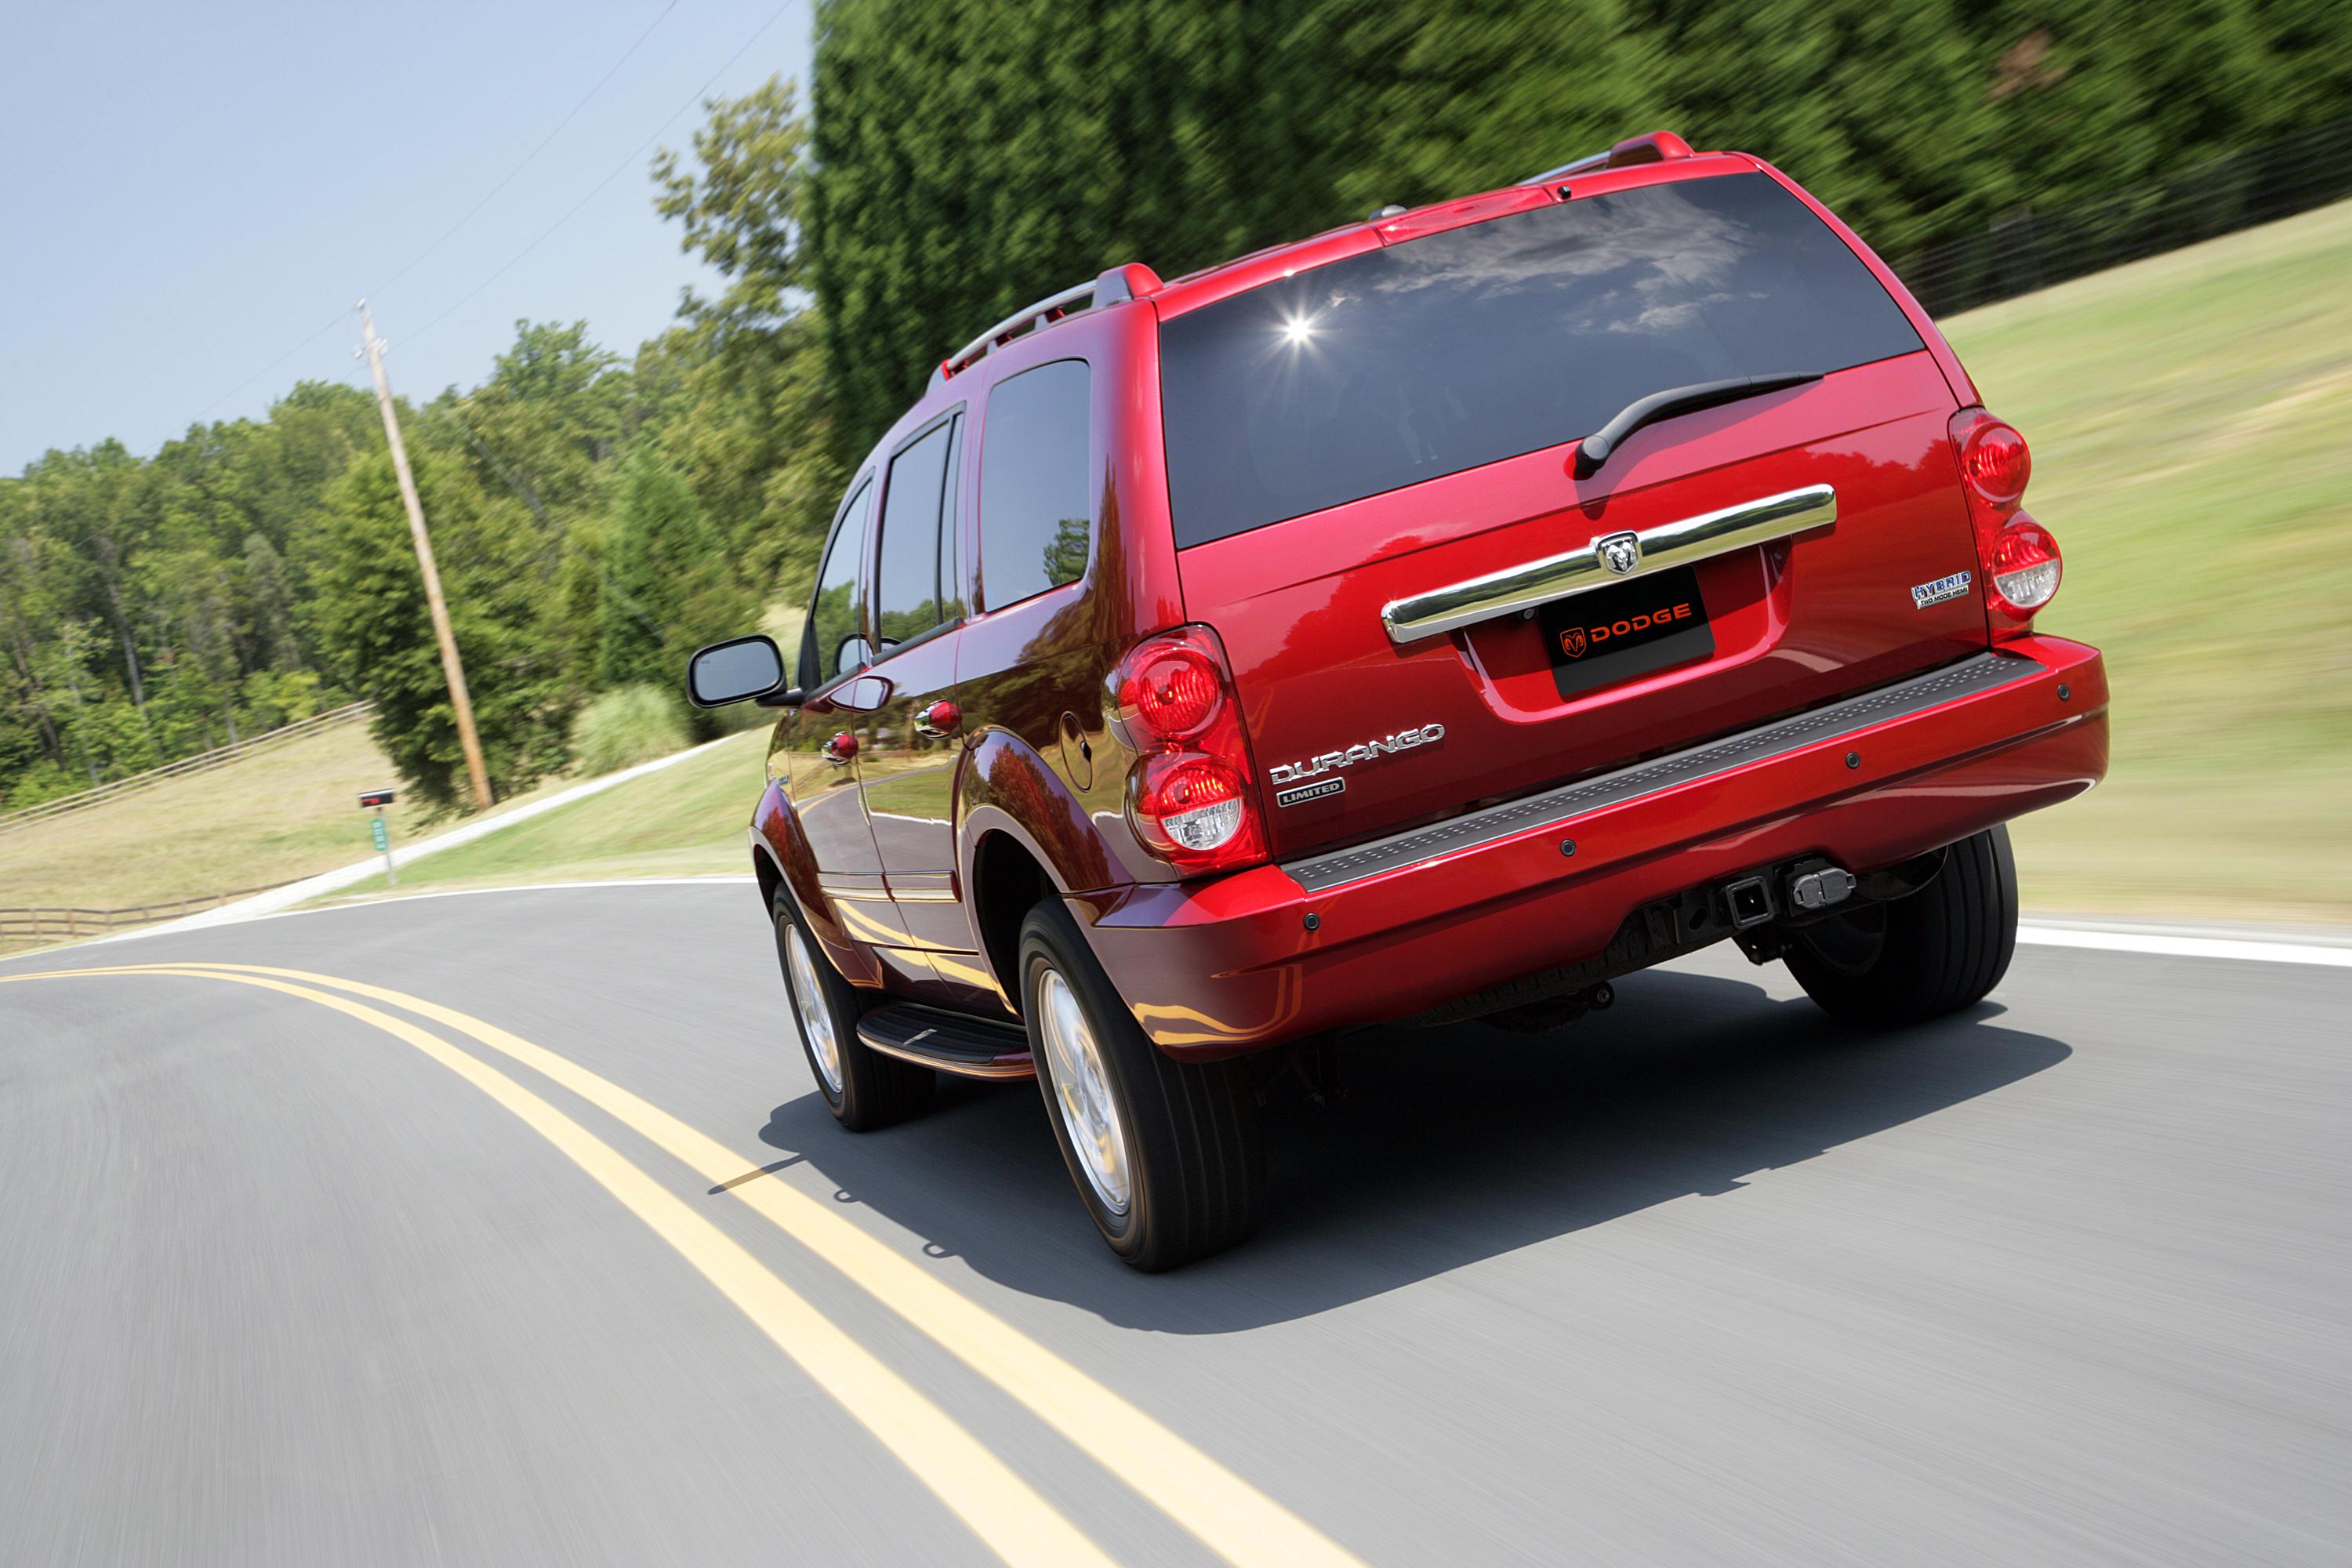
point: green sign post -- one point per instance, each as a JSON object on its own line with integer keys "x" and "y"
{"x": 381, "y": 831}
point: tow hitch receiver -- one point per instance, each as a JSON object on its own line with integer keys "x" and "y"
{"x": 1749, "y": 901}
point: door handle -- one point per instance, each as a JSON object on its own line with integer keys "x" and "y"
{"x": 840, "y": 750}
{"x": 939, "y": 719}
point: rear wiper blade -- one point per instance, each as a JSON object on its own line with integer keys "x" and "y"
{"x": 1596, "y": 448}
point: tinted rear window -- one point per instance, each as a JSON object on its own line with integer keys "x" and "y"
{"x": 1500, "y": 338}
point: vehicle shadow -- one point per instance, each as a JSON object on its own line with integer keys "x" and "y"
{"x": 1451, "y": 1146}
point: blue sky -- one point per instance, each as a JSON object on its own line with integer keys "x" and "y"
{"x": 188, "y": 193}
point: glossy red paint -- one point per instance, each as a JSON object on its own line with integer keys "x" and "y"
{"x": 883, "y": 839}
{"x": 1795, "y": 624}
{"x": 1230, "y": 966}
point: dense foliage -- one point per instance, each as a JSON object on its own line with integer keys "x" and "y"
{"x": 598, "y": 515}
{"x": 971, "y": 158}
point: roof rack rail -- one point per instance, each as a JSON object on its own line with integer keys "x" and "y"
{"x": 1657, "y": 147}
{"x": 1113, "y": 286}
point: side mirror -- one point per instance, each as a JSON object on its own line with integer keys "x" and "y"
{"x": 733, "y": 671}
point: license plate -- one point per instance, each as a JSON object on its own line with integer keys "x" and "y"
{"x": 1627, "y": 629}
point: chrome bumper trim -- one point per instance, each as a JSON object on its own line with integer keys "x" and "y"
{"x": 1972, "y": 677}
{"x": 1669, "y": 544}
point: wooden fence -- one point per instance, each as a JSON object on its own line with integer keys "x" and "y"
{"x": 31, "y": 927}
{"x": 202, "y": 761}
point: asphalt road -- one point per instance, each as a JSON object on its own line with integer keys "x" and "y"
{"x": 284, "y": 1280}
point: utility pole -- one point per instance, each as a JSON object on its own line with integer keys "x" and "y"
{"x": 475, "y": 770}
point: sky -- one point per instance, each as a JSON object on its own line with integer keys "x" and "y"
{"x": 191, "y": 197}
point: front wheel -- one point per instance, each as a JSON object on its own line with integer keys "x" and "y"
{"x": 1941, "y": 949}
{"x": 862, "y": 1088}
{"x": 1167, "y": 1155}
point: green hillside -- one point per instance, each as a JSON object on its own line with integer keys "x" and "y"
{"x": 2191, "y": 425}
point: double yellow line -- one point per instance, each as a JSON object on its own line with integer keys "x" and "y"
{"x": 1226, "y": 1513}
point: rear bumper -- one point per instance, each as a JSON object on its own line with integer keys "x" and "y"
{"x": 1231, "y": 966}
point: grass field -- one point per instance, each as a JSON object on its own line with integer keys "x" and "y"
{"x": 686, "y": 820}
{"x": 2191, "y": 425}
{"x": 266, "y": 819}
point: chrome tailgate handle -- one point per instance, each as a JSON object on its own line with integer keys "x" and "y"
{"x": 1609, "y": 558}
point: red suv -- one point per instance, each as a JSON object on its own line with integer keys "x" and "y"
{"x": 1430, "y": 620}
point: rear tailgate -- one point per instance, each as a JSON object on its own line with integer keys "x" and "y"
{"x": 1355, "y": 732}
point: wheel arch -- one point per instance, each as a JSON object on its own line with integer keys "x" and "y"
{"x": 1007, "y": 880}
{"x": 1022, "y": 836}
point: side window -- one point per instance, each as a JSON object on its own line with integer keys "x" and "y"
{"x": 832, "y": 644}
{"x": 951, "y": 529}
{"x": 1035, "y": 510}
{"x": 909, "y": 596}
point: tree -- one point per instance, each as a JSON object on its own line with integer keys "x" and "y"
{"x": 666, "y": 589}
{"x": 736, "y": 399}
{"x": 542, "y": 425}
{"x": 369, "y": 620}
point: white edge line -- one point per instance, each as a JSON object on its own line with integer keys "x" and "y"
{"x": 714, "y": 878}
{"x": 2235, "y": 949}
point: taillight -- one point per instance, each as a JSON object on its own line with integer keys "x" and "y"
{"x": 2026, "y": 567}
{"x": 1172, "y": 688}
{"x": 1189, "y": 794}
{"x": 1995, "y": 461}
{"x": 2020, "y": 559}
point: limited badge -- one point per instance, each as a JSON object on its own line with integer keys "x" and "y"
{"x": 1309, "y": 792}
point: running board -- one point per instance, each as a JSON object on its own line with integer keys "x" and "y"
{"x": 950, "y": 1042}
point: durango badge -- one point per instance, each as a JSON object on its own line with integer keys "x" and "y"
{"x": 1331, "y": 761}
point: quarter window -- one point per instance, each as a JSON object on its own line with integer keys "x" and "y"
{"x": 834, "y": 643}
{"x": 909, "y": 597}
{"x": 1036, "y": 517}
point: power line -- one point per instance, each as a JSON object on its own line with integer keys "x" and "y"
{"x": 618, "y": 169}
{"x": 337, "y": 319}
{"x": 534, "y": 153}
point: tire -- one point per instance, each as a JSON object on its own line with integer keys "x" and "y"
{"x": 1183, "y": 1171}
{"x": 1935, "y": 951}
{"x": 862, "y": 1088}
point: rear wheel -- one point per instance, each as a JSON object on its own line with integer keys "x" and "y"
{"x": 863, "y": 1088}
{"x": 1167, "y": 1155}
{"x": 1915, "y": 958}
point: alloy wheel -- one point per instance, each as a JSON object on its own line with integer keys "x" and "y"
{"x": 817, "y": 1019}
{"x": 1082, "y": 1092}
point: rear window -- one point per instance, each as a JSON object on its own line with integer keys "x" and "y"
{"x": 1485, "y": 341}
